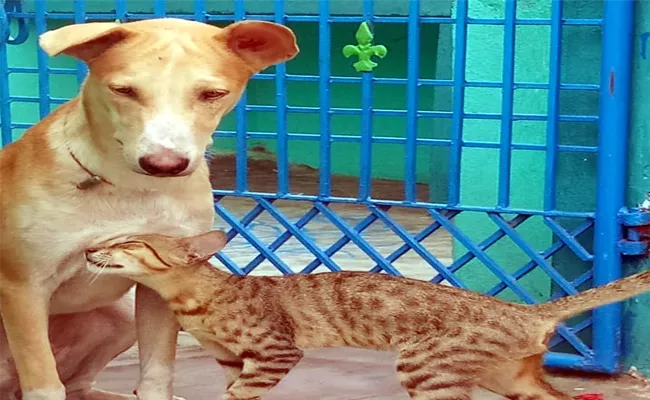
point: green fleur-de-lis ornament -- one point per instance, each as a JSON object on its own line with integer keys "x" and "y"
{"x": 364, "y": 49}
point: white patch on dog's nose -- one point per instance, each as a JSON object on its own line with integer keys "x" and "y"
{"x": 167, "y": 132}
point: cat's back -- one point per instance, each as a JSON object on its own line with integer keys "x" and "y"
{"x": 369, "y": 310}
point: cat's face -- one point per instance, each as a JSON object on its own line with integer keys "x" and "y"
{"x": 145, "y": 255}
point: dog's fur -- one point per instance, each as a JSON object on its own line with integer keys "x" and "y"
{"x": 155, "y": 93}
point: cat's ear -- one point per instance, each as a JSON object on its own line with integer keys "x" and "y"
{"x": 203, "y": 246}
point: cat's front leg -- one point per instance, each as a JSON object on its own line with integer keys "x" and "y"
{"x": 263, "y": 371}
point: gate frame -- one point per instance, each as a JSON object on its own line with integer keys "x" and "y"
{"x": 613, "y": 127}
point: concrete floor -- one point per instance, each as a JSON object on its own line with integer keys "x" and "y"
{"x": 333, "y": 374}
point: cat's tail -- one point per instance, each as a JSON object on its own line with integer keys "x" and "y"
{"x": 616, "y": 291}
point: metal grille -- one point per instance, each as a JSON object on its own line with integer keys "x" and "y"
{"x": 589, "y": 234}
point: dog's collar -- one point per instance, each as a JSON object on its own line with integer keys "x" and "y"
{"x": 92, "y": 181}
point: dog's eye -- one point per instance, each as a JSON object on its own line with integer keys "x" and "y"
{"x": 212, "y": 94}
{"x": 127, "y": 91}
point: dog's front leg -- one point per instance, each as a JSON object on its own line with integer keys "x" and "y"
{"x": 157, "y": 332}
{"x": 25, "y": 317}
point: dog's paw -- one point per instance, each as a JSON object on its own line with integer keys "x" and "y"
{"x": 135, "y": 393}
{"x": 96, "y": 394}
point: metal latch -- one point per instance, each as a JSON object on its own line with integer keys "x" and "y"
{"x": 636, "y": 230}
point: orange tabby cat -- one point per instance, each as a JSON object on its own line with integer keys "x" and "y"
{"x": 447, "y": 339}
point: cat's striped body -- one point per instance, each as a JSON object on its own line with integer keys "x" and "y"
{"x": 447, "y": 340}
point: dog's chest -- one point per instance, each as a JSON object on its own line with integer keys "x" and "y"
{"x": 62, "y": 230}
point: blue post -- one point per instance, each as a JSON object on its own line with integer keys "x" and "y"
{"x": 41, "y": 59}
{"x": 365, "y": 175}
{"x": 281, "y": 113}
{"x": 5, "y": 110}
{"x": 199, "y": 10}
{"x": 413, "y": 75}
{"x": 241, "y": 157}
{"x": 552, "y": 125}
{"x": 80, "y": 18}
{"x": 614, "y": 124}
{"x": 159, "y": 8}
{"x": 460, "y": 61}
{"x": 120, "y": 10}
{"x": 324, "y": 48}
{"x": 507, "y": 101}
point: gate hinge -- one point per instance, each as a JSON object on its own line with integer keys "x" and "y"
{"x": 636, "y": 231}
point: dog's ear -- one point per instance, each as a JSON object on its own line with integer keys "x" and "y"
{"x": 261, "y": 44}
{"x": 83, "y": 41}
{"x": 202, "y": 247}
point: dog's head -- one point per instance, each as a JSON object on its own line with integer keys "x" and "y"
{"x": 158, "y": 88}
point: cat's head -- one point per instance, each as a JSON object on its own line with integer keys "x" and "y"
{"x": 144, "y": 255}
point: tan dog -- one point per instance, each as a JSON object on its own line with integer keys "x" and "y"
{"x": 124, "y": 157}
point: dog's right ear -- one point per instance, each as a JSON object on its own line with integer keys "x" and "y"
{"x": 83, "y": 41}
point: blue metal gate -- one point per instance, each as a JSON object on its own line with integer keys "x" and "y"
{"x": 574, "y": 347}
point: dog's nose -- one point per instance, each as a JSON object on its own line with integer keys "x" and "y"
{"x": 165, "y": 163}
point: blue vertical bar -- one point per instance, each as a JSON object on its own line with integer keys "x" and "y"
{"x": 460, "y": 62}
{"x": 80, "y": 18}
{"x": 199, "y": 10}
{"x": 614, "y": 124}
{"x": 41, "y": 59}
{"x": 281, "y": 101}
{"x": 324, "y": 49}
{"x": 120, "y": 10}
{"x": 159, "y": 8}
{"x": 552, "y": 125}
{"x": 5, "y": 104}
{"x": 507, "y": 101}
{"x": 365, "y": 174}
{"x": 241, "y": 173}
{"x": 413, "y": 74}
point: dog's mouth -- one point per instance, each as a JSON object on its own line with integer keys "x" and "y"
{"x": 165, "y": 175}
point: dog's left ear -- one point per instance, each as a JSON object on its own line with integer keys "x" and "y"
{"x": 261, "y": 44}
{"x": 84, "y": 41}
{"x": 203, "y": 246}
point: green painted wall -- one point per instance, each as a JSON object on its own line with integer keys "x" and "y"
{"x": 479, "y": 177}
{"x": 637, "y": 324}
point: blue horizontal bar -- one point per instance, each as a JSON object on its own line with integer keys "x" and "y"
{"x": 571, "y": 362}
{"x": 314, "y": 18}
{"x": 376, "y": 112}
{"x": 357, "y": 80}
{"x": 382, "y": 140}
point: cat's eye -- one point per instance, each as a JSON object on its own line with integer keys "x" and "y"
{"x": 129, "y": 245}
{"x": 126, "y": 91}
{"x": 212, "y": 94}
